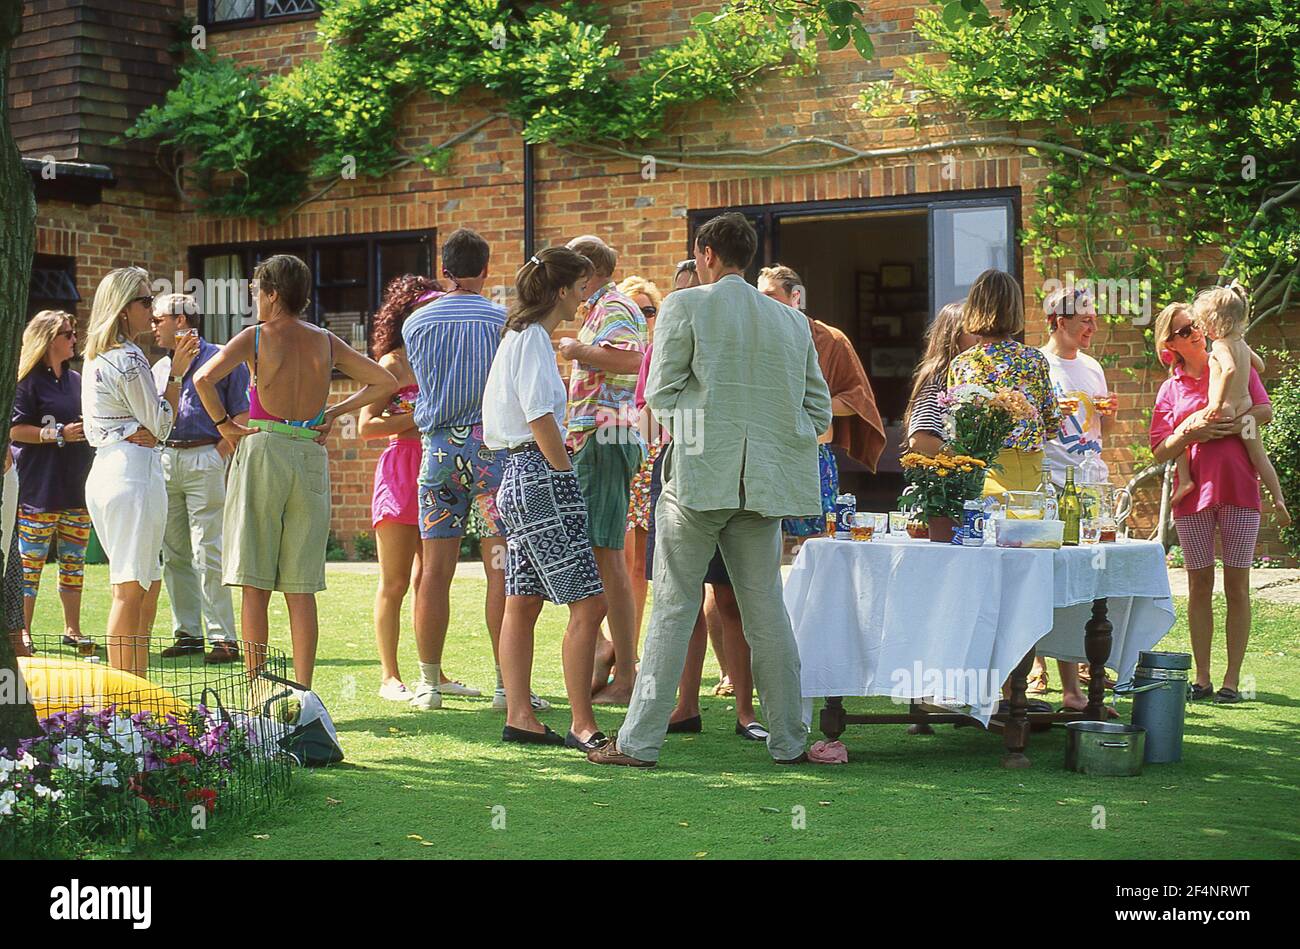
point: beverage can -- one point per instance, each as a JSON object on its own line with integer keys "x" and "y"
{"x": 972, "y": 524}
{"x": 846, "y": 505}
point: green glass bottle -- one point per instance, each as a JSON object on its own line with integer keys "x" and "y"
{"x": 1071, "y": 509}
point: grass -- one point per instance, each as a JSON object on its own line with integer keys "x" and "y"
{"x": 432, "y": 785}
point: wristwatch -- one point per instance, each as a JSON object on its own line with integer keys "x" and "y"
{"x": 58, "y": 435}
{"x": 174, "y": 380}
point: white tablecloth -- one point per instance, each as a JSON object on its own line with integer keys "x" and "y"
{"x": 913, "y": 619}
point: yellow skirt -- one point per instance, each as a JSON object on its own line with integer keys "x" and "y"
{"x": 1021, "y": 471}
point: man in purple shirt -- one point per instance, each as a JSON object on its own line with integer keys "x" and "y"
{"x": 194, "y": 466}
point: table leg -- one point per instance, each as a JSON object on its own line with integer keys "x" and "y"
{"x": 918, "y": 728}
{"x": 832, "y": 718}
{"x": 1016, "y": 730}
{"x": 1096, "y": 645}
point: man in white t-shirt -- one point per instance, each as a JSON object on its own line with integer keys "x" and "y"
{"x": 1087, "y": 412}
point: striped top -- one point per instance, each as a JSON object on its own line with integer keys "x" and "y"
{"x": 450, "y": 344}
{"x": 927, "y": 415}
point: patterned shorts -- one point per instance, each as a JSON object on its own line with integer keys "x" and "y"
{"x": 830, "y": 475}
{"x": 1238, "y": 531}
{"x": 638, "y": 508}
{"x": 548, "y": 552}
{"x": 37, "y": 529}
{"x": 456, "y": 469}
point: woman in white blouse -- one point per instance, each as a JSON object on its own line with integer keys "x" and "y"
{"x": 124, "y": 421}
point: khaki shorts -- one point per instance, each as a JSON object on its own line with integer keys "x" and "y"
{"x": 277, "y": 519}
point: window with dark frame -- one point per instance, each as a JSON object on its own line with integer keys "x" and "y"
{"x": 53, "y": 285}
{"x": 349, "y": 275}
{"x": 229, "y": 13}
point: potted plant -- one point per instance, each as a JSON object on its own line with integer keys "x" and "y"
{"x": 938, "y": 487}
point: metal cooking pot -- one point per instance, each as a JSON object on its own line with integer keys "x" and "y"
{"x": 1112, "y": 749}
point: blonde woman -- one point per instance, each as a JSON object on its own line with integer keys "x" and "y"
{"x": 944, "y": 341}
{"x": 994, "y": 313}
{"x": 124, "y": 420}
{"x": 53, "y": 461}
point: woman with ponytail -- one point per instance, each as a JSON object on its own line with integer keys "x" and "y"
{"x": 549, "y": 554}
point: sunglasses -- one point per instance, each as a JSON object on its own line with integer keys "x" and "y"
{"x": 146, "y": 300}
{"x": 69, "y": 334}
{"x": 648, "y": 312}
{"x": 1186, "y": 332}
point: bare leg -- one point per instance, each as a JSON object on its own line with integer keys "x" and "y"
{"x": 688, "y": 687}
{"x": 634, "y": 554}
{"x": 1200, "y": 619}
{"x": 493, "y": 550}
{"x": 1268, "y": 475}
{"x": 128, "y": 648}
{"x": 742, "y": 677}
{"x": 71, "y": 611}
{"x": 517, "y": 626}
{"x": 1236, "y": 587}
{"x": 397, "y": 545}
{"x": 433, "y": 598}
{"x": 305, "y": 631}
{"x": 29, "y": 607}
{"x": 578, "y": 652}
{"x": 717, "y": 635}
{"x": 1072, "y": 696}
{"x": 149, "y": 610}
{"x": 622, "y": 630}
{"x": 253, "y": 626}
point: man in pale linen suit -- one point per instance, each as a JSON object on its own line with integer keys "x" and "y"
{"x": 734, "y": 378}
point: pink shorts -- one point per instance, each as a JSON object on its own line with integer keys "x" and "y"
{"x": 1238, "y": 530}
{"x": 397, "y": 473}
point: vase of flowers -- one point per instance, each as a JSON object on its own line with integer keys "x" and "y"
{"x": 980, "y": 420}
{"x": 938, "y": 487}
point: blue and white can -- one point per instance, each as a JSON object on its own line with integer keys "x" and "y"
{"x": 972, "y": 524}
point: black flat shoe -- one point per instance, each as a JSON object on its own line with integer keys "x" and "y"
{"x": 751, "y": 732}
{"x": 525, "y": 737}
{"x": 687, "y": 725}
{"x": 1227, "y": 696}
{"x": 1202, "y": 692}
{"x": 591, "y": 744}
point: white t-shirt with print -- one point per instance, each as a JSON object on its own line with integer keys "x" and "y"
{"x": 1079, "y": 438}
{"x": 523, "y": 385}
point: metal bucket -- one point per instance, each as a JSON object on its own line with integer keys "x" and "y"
{"x": 1160, "y": 702}
{"x": 1111, "y": 749}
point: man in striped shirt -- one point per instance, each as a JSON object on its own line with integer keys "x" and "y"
{"x": 450, "y": 344}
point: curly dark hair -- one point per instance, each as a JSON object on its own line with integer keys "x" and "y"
{"x": 400, "y": 297}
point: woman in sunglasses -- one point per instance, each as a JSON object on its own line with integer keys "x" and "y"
{"x": 125, "y": 418}
{"x": 53, "y": 461}
{"x": 1225, "y": 498}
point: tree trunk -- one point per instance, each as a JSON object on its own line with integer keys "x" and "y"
{"x": 17, "y": 240}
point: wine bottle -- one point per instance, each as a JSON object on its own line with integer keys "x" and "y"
{"x": 1048, "y": 490}
{"x": 1071, "y": 509}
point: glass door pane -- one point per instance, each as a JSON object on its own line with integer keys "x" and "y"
{"x": 225, "y": 300}
{"x": 966, "y": 240}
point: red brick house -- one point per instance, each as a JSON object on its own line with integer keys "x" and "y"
{"x": 881, "y": 244}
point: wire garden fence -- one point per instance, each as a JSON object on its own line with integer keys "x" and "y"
{"x": 122, "y": 759}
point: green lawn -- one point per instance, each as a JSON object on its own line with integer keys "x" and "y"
{"x": 428, "y": 785}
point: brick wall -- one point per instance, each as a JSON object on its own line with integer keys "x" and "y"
{"x": 645, "y": 220}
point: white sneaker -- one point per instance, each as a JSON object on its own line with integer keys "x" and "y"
{"x": 499, "y": 701}
{"x": 395, "y": 692}
{"x": 459, "y": 688}
{"x": 426, "y": 697}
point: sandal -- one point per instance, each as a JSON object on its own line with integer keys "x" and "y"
{"x": 724, "y": 688}
{"x": 1085, "y": 676}
{"x": 1202, "y": 692}
{"x": 1037, "y": 684}
{"x": 1227, "y": 696}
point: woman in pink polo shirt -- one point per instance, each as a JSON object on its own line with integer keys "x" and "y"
{"x": 1226, "y": 496}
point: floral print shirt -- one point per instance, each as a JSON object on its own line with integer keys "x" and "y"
{"x": 1008, "y": 364}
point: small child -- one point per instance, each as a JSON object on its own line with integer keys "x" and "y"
{"x": 1221, "y": 313}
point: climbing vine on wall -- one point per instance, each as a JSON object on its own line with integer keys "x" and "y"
{"x": 256, "y": 143}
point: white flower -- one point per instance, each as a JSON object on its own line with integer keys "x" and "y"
{"x": 124, "y": 734}
{"x": 71, "y": 748}
{"x": 7, "y": 801}
{"x": 43, "y": 791}
{"x": 107, "y": 773}
{"x": 6, "y": 766}
{"x": 27, "y": 762}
